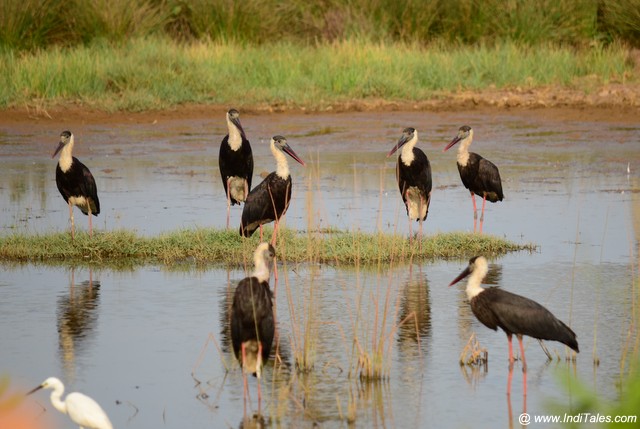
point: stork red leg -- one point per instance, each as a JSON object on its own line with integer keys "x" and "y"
{"x": 509, "y": 378}
{"x": 90, "y": 223}
{"x": 275, "y": 277}
{"x": 475, "y": 211}
{"x": 420, "y": 220}
{"x": 510, "y": 351}
{"x": 484, "y": 201}
{"x": 258, "y": 379}
{"x": 73, "y": 226}
{"x": 244, "y": 379}
{"x": 410, "y": 231}
{"x": 228, "y": 201}
{"x": 275, "y": 233}
{"x": 524, "y": 365}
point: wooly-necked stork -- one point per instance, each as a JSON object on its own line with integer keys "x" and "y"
{"x": 480, "y": 176}
{"x": 252, "y": 321}
{"x": 413, "y": 172}
{"x": 75, "y": 182}
{"x": 235, "y": 162}
{"x": 269, "y": 201}
{"x": 514, "y": 314}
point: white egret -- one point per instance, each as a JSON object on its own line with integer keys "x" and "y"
{"x": 81, "y": 409}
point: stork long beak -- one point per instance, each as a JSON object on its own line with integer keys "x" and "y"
{"x": 454, "y": 141}
{"x": 60, "y": 146}
{"x": 236, "y": 122}
{"x": 401, "y": 142}
{"x": 34, "y": 390}
{"x": 292, "y": 154}
{"x": 462, "y": 275}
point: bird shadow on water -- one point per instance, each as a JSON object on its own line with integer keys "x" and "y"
{"x": 210, "y": 391}
{"x": 77, "y": 317}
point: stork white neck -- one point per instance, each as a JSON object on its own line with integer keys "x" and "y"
{"x": 474, "y": 285}
{"x": 282, "y": 168}
{"x": 66, "y": 159}
{"x": 262, "y": 270}
{"x": 463, "y": 149}
{"x": 235, "y": 137}
{"x": 406, "y": 155}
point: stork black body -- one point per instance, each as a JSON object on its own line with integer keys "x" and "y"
{"x": 75, "y": 182}
{"x": 235, "y": 161}
{"x": 413, "y": 172}
{"x": 78, "y": 182}
{"x": 235, "y": 158}
{"x": 252, "y": 321}
{"x": 418, "y": 176}
{"x": 266, "y": 202}
{"x": 514, "y": 314}
{"x": 269, "y": 201}
{"x": 479, "y": 175}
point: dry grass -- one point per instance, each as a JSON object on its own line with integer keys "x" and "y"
{"x": 473, "y": 354}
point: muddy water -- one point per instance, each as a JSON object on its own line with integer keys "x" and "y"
{"x": 143, "y": 343}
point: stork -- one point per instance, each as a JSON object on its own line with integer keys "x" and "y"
{"x": 269, "y": 201}
{"x": 235, "y": 162}
{"x": 514, "y": 314}
{"x": 480, "y": 176}
{"x": 75, "y": 182}
{"x": 413, "y": 172}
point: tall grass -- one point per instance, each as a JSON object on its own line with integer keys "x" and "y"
{"x": 31, "y": 24}
{"x": 157, "y": 73}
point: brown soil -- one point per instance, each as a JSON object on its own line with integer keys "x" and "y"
{"x": 610, "y": 103}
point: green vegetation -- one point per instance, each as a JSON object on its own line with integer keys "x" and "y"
{"x": 222, "y": 246}
{"x": 33, "y": 24}
{"x": 587, "y": 405}
{"x": 155, "y": 54}
{"x": 157, "y": 73}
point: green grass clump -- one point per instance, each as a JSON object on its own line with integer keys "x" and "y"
{"x": 222, "y": 246}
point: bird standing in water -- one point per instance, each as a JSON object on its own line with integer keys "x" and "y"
{"x": 252, "y": 320}
{"x": 236, "y": 162}
{"x": 270, "y": 200}
{"x": 480, "y": 176}
{"x": 514, "y": 314}
{"x": 81, "y": 409}
{"x": 75, "y": 182}
{"x": 413, "y": 172}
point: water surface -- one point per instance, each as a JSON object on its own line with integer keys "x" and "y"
{"x": 143, "y": 342}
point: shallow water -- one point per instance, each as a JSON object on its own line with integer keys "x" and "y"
{"x": 138, "y": 341}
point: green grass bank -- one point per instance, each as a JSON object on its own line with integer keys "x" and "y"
{"x": 159, "y": 73}
{"x": 204, "y": 246}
